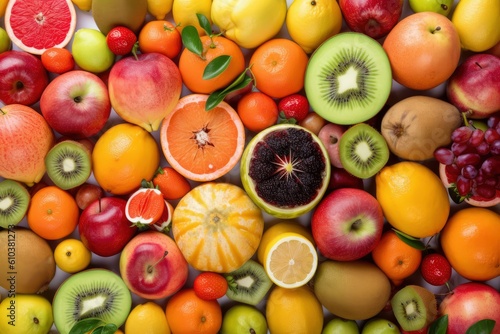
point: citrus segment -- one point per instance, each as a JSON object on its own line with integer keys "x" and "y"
{"x": 202, "y": 145}
{"x": 145, "y": 206}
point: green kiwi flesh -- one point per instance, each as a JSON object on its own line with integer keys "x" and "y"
{"x": 14, "y": 201}
{"x": 248, "y": 284}
{"x": 92, "y": 293}
{"x": 363, "y": 150}
{"x": 348, "y": 78}
{"x": 68, "y": 164}
{"x": 414, "y": 307}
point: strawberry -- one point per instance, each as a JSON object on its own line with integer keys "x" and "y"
{"x": 210, "y": 285}
{"x": 435, "y": 269}
{"x": 121, "y": 40}
{"x": 293, "y": 108}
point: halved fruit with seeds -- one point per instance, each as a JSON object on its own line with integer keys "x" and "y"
{"x": 285, "y": 169}
{"x": 145, "y": 206}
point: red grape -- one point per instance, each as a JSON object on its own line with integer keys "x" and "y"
{"x": 485, "y": 191}
{"x": 495, "y": 147}
{"x": 477, "y": 137}
{"x": 469, "y": 172}
{"x": 444, "y": 155}
{"x": 483, "y": 148}
{"x": 461, "y": 134}
{"x": 491, "y": 135}
{"x": 468, "y": 159}
{"x": 491, "y": 166}
{"x": 463, "y": 185}
{"x": 493, "y": 121}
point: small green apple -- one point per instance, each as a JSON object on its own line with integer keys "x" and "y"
{"x": 341, "y": 326}
{"x": 90, "y": 50}
{"x": 380, "y": 326}
{"x": 242, "y": 319}
{"x": 479, "y": 124}
{"x": 437, "y": 6}
{"x": 5, "y": 42}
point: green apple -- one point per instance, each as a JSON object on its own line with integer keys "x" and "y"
{"x": 437, "y": 6}
{"x": 5, "y": 42}
{"x": 380, "y": 326}
{"x": 243, "y": 319}
{"x": 90, "y": 50}
{"x": 341, "y": 326}
{"x": 479, "y": 124}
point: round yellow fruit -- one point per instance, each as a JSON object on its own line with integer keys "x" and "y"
{"x": 147, "y": 318}
{"x": 3, "y": 7}
{"x": 159, "y": 8}
{"x": 25, "y": 313}
{"x": 72, "y": 256}
{"x": 184, "y": 13}
{"x": 413, "y": 198}
{"x": 84, "y": 5}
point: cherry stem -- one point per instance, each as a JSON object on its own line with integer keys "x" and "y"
{"x": 150, "y": 267}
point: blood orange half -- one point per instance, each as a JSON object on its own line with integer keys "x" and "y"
{"x": 36, "y": 25}
{"x": 202, "y": 145}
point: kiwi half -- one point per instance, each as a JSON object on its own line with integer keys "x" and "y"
{"x": 414, "y": 307}
{"x": 92, "y": 293}
{"x": 348, "y": 78}
{"x": 363, "y": 150}
{"x": 68, "y": 164}
{"x": 14, "y": 201}
{"x": 248, "y": 284}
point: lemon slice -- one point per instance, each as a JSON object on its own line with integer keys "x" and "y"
{"x": 290, "y": 260}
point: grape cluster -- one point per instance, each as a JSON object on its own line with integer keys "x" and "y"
{"x": 473, "y": 159}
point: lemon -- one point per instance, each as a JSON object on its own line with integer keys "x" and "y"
{"x": 477, "y": 23}
{"x": 294, "y": 311}
{"x": 413, "y": 198}
{"x": 184, "y": 13}
{"x": 311, "y": 22}
{"x": 249, "y": 23}
{"x": 25, "y": 313}
{"x": 290, "y": 260}
{"x": 147, "y": 318}
{"x": 3, "y": 7}
{"x": 159, "y": 8}
{"x": 84, "y": 5}
{"x": 72, "y": 256}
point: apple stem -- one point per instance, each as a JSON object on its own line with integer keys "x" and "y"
{"x": 100, "y": 208}
{"x": 150, "y": 267}
{"x": 437, "y": 29}
{"x": 479, "y": 65}
{"x": 134, "y": 50}
{"x": 3, "y": 112}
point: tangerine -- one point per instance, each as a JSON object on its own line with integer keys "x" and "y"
{"x": 171, "y": 183}
{"x": 53, "y": 213}
{"x": 278, "y": 67}
{"x": 192, "y": 65}
{"x": 160, "y": 36}
{"x": 257, "y": 111}
{"x": 471, "y": 242}
{"x": 57, "y": 60}
{"x": 187, "y": 313}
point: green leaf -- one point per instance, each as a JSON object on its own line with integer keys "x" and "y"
{"x": 109, "y": 329}
{"x": 98, "y": 330}
{"x": 191, "y": 40}
{"x": 409, "y": 240}
{"x": 218, "y": 96}
{"x": 85, "y": 325}
{"x": 439, "y": 326}
{"x": 216, "y": 67}
{"x": 204, "y": 23}
{"x": 484, "y": 326}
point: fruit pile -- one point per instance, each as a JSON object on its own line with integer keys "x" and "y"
{"x": 214, "y": 166}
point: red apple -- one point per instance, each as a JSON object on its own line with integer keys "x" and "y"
{"x": 475, "y": 85}
{"x": 76, "y": 104}
{"x": 330, "y": 135}
{"x": 22, "y": 78}
{"x": 104, "y": 229}
{"x": 347, "y": 224}
{"x": 340, "y": 178}
{"x": 144, "y": 90}
{"x": 374, "y": 18}
{"x": 468, "y": 303}
{"x": 152, "y": 266}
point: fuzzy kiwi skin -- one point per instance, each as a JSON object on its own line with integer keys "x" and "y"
{"x": 416, "y": 126}
{"x": 423, "y": 299}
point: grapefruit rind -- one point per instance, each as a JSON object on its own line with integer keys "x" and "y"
{"x": 250, "y": 186}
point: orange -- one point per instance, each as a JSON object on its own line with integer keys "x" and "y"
{"x": 57, "y": 60}
{"x": 202, "y": 145}
{"x": 471, "y": 242}
{"x": 171, "y": 183}
{"x": 257, "y": 111}
{"x": 53, "y": 213}
{"x": 278, "y": 67}
{"x": 160, "y": 36}
{"x": 395, "y": 258}
{"x": 187, "y": 313}
{"x": 192, "y": 65}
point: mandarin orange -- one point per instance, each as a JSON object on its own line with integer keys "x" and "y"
{"x": 160, "y": 36}
{"x": 57, "y": 60}
{"x": 257, "y": 111}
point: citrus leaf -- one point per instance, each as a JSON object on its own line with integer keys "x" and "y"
{"x": 204, "y": 23}
{"x": 238, "y": 82}
{"x": 216, "y": 67}
{"x": 85, "y": 325}
{"x": 216, "y": 97}
{"x": 213, "y": 100}
{"x": 409, "y": 240}
{"x": 191, "y": 40}
{"x": 109, "y": 329}
{"x": 484, "y": 326}
{"x": 439, "y": 326}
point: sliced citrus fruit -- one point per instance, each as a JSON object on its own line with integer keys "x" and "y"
{"x": 202, "y": 145}
{"x": 35, "y": 26}
{"x": 285, "y": 169}
{"x": 164, "y": 223}
{"x": 290, "y": 260}
{"x": 145, "y": 206}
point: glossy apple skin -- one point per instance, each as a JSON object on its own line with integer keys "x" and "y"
{"x": 468, "y": 303}
{"x": 374, "y": 18}
{"x": 347, "y": 224}
{"x": 340, "y": 178}
{"x": 330, "y": 135}
{"x": 147, "y": 271}
{"x": 22, "y": 78}
{"x": 146, "y": 90}
{"x": 475, "y": 85}
{"x": 104, "y": 228}
{"x": 340, "y": 326}
{"x": 76, "y": 104}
